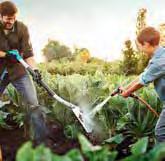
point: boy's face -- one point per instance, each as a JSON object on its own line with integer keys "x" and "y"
{"x": 146, "y": 48}
{"x": 8, "y": 21}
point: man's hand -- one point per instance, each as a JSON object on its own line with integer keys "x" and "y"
{"x": 32, "y": 63}
{"x": 2, "y": 54}
{"x": 37, "y": 77}
{"x": 118, "y": 90}
{"x": 13, "y": 54}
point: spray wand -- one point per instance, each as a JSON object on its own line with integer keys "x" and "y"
{"x": 118, "y": 91}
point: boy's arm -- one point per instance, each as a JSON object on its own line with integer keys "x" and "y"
{"x": 132, "y": 83}
{"x": 151, "y": 73}
{"x": 132, "y": 87}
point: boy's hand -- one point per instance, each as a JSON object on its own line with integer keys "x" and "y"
{"x": 118, "y": 90}
{"x": 125, "y": 94}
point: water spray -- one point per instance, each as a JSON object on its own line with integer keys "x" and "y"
{"x": 118, "y": 91}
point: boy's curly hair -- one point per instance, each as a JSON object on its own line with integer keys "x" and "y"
{"x": 149, "y": 35}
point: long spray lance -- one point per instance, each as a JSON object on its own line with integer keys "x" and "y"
{"x": 118, "y": 91}
{"x": 88, "y": 127}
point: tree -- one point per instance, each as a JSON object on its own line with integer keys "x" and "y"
{"x": 55, "y": 50}
{"x": 82, "y": 54}
{"x": 141, "y": 20}
{"x": 130, "y": 58}
{"x": 162, "y": 34}
{"x": 140, "y": 25}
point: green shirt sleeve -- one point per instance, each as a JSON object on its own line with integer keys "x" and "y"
{"x": 26, "y": 46}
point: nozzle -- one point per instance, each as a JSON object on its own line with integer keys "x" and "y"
{"x": 116, "y": 91}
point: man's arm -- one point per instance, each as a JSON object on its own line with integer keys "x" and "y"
{"x": 26, "y": 48}
{"x": 2, "y": 54}
{"x": 25, "y": 45}
{"x": 31, "y": 61}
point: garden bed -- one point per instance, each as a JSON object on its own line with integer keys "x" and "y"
{"x": 12, "y": 139}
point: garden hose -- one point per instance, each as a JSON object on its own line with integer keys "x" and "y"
{"x": 118, "y": 90}
{"x": 145, "y": 103}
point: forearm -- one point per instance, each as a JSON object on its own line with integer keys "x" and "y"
{"x": 134, "y": 86}
{"x": 2, "y": 54}
{"x": 134, "y": 82}
{"x": 31, "y": 61}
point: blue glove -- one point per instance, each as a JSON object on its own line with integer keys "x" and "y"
{"x": 13, "y": 54}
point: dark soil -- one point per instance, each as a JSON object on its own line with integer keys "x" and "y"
{"x": 11, "y": 140}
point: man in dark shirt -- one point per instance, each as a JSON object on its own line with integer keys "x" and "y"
{"x": 14, "y": 35}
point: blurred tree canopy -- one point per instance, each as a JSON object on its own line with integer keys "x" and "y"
{"x": 82, "y": 54}
{"x": 162, "y": 34}
{"x": 140, "y": 25}
{"x": 135, "y": 61}
{"x": 55, "y": 50}
{"x": 130, "y": 59}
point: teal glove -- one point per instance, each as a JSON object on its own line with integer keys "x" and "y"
{"x": 13, "y": 54}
